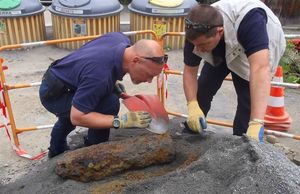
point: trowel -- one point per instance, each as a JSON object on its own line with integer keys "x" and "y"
{"x": 151, "y": 104}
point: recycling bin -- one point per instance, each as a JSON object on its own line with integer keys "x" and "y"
{"x": 161, "y": 19}
{"x": 83, "y": 18}
{"x": 21, "y": 21}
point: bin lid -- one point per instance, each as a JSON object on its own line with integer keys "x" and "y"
{"x": 9, "y": 4}
{"x": 77, "y": 3}
{"x": 145, "y": 7}
{"x": 20, "y": 8}
{"x": 166, "y": 3}
{"x": 85, "y": 8}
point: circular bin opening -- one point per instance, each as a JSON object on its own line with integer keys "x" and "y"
{"x": 9, "y": 4}
{"x": 161, "y": 19}
{"x": 84, "y": 18}
{"x": 77, "y": 3}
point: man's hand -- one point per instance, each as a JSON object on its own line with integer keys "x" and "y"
{"x": 256, "y": 130}
{"x": 119, "y": 88}
{"x": 139, "y": 119}
{"x": 196, "y": 119}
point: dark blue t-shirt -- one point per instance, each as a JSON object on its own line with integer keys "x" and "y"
{"x": 252, "y": 35}
{"x": 93, "y": 69}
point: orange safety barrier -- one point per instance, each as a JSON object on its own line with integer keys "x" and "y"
{"x": 229, "y": 124}
{"x": 161, "y": 85}
{"x": 5, "y": 103}
{"x": 274, "y": 83}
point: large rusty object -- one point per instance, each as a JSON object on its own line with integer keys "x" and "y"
{"x": 99, "y": 161}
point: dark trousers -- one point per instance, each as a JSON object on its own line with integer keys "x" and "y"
{"x": 209, "y": 83}
{"x": 61, "y": 107}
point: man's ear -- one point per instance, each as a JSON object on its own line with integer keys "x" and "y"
{"x": 221, "y": 30}
{"x": 136, "y": 59}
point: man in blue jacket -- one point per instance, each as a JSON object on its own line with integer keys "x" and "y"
{"x": 79, "y": 88}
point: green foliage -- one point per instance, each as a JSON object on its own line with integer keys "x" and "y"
{"x": 290, "y": 63}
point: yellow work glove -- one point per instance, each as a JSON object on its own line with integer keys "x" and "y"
{"x": 256, "y": 130}
{"x": 139, "y": 119}
{"x": 196, "y": 119}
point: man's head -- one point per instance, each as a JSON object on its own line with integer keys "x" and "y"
{"x": 204, "y": 27}
{"x": 145, "y": 60}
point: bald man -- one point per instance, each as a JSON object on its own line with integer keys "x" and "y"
{"x": 79, "y": 88}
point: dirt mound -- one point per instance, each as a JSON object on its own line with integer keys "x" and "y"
{"x": 207, "y": 163}
{"x": 230, "y": 165}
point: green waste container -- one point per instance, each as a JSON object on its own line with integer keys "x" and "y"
{"x": 21, "y": 21}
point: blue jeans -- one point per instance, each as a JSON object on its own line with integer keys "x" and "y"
{"x": 61, "y": 107}
{"x": 209, "y": 83}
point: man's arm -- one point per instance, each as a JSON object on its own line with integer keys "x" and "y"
{"x": 256, "y": 49}
{"x": 131, "y": 119}
{"x": 190, "y": 84}
{"x": 260, "y": 83}
{"x": 91, "y": 120}
{"x": 196, "y": 119}
{"x": 191, "y": 61}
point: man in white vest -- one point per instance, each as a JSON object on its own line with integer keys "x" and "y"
{"x": 243, "y": 38}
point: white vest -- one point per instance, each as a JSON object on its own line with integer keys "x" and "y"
{"x": 233, "y": 11}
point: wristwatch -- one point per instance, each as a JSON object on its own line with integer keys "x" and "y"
{"x": 116, "y": 122}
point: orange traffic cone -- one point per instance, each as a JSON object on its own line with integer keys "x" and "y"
{"x": 276, "y": 117}
{"x": 278, "y": 77}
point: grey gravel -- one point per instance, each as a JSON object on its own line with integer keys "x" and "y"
{"x": 225, "y": 164}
